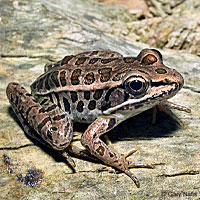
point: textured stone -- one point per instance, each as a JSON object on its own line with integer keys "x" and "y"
{"x": 34, "y": 33}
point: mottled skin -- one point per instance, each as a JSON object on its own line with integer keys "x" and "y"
{"x": 99, "y": 87}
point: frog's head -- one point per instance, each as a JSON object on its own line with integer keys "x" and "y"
{"x": 149, "y": 83}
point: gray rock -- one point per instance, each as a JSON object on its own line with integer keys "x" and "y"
{"x": 34, "y": 33}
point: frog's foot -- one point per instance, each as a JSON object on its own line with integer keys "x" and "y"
{"x": 133, "y": 177}
{"x": 130, "y": 153}
{"x": 108, "y": 141}
{"x": 131, "y": 164}
{"x": 140, "y": 165}
{"x": 166, "y": 106}
{"x": 81, "y": 153}
{"x": 69, "y": 159}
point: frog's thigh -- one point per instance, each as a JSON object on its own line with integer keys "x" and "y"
{"x": 48, "y": 120}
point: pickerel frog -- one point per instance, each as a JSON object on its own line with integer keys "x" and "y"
{"x": 98, "y": 87}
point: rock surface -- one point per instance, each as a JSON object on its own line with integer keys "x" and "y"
{"x": 165, "y": 24}
{"x": 34, "y": 33}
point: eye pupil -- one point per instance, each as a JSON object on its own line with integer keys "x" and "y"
{"x": 136, "y": 85}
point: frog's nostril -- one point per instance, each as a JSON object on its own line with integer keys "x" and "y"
{"x": 161, "y": 71}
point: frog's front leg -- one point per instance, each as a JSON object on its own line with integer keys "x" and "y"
{"x": 166, "y": 106}
{"x": 90, "y": 139}
{"x": 47, "y": 120}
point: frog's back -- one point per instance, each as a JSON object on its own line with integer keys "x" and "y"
{"x": 75, "y": 73}
{"x": 80, "y": 84}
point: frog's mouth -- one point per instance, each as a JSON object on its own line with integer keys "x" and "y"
{"x": 154, "y": 96}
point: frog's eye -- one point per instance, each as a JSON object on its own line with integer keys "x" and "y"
{"x": 149, "y": 59}
{"x": 136, "y": 85}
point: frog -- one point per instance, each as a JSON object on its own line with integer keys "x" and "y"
{"x": 101, "y": 88}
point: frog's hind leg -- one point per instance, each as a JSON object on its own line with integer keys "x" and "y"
{"x": 48, "y": 121}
